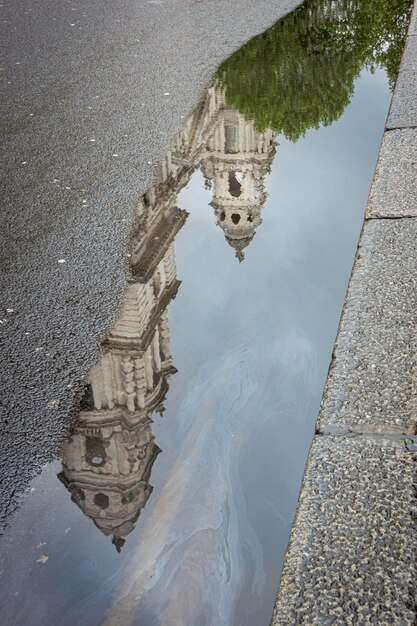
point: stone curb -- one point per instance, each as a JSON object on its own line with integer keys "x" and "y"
{"x": 352, "y": 555}
{"x": 393, "y": 191}
{"x": 351, "y": 560}
{"x": 371, "y": 381}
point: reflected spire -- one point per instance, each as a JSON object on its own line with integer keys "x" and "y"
{"x": 239, "y": 245}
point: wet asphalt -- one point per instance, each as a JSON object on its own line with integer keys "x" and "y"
{"x": 91, "y": 94}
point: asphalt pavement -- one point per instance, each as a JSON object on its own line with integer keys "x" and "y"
{"x": 91, "y": 94}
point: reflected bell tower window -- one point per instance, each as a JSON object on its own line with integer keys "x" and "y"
{"x": 95, "y": 451}
{"x": 231, "y": 138}
{"x": 235, "y": 187}
{"x": 102, "y": 500}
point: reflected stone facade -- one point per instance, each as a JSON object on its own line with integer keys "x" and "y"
{"x": 234, "y": 158}
{"x": 235, "y": 163}
{"x": 108, "y": 460}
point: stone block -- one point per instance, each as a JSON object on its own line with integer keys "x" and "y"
{"x": 371, "y": 386}
{"x": 394, "y": 188}
{"x": 352, "y": 557}
{"x": 412, "y": 28}
{"x": 403, "y": 109}
{"x": 409, "y": 58}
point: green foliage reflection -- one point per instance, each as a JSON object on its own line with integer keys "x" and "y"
{"x": 301, "y": 72}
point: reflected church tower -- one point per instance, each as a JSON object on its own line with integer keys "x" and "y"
{"x": 235, "y": 163}
{"x": 108, "y": 460}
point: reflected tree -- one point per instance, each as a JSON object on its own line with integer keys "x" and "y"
{"x": 301, "y": 72}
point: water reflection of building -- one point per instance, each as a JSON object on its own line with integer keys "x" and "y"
{"x": 235, "y": 163}
{"x": 108, "y": 460}
{"x": 234, "y": 158}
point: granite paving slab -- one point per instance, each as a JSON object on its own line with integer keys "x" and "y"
{"x": 372, "y": 381}
{"x": 394, "y": 188}
{"x": 353, "y": 547}
{"x": 412, "y": 29}
{"x": 409, "y": 59}
{"x": 403, "y": 109}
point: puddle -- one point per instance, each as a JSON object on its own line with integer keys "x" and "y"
{"x": 174, "y": 497}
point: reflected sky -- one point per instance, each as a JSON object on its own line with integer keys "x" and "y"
{"x": 174, "y": 497}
